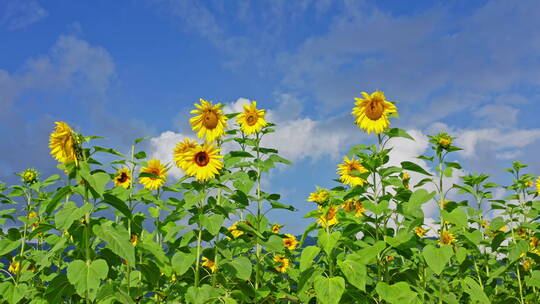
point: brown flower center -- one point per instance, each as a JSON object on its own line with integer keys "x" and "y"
{"x": 251, "y": 119}
{"x": 202, "y": 159}
{"x": 122, "y": 178}
{"x": 374, "y": 109}
{"x": 210, "y": 120}
{"x": 154, "y": 171}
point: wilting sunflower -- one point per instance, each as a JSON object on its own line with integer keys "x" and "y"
{"x": 276, "y": 228}
{"x": 210, "y": 122}
{"x": 235, "y": 232}
{"x": 329, "y": 217}
{"x": 447, "y": 238}
{"x": 347, "y": 169}
{"x": 319, "y": 197}
{"x": 252, "y": 119}
{"x": 122, "y": 178}
{"x": 290, "y": 241}
{"x": 372, "y": 112}
{"x": 209, "y": 264}
{"x": 283, "y": 263}
{"x": 63, "y": 143}
{"x": 420, "y": 231}
{"x": 181, "y": 152}
{"x": 203, "y": 162}
{"x": 156, "y": 168}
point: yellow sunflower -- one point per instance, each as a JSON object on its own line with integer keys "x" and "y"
{"x": 329, "y": 218}
{"x": 203, "y": 162}
{"x": 406, "y": 178}
{"x": 62, "y": 143}
{"x": 447, "y": 238}
{"x": 122, "y": 178}
{"x": 210, "y": 122}
{"x": 29, "y": 176}
{"x": 346, "y": 170}
{"x": 420, "y": 231}
{"x": 538, "y": 185}
{"x": 372, "y": 112}
{"x": 290, "y": 241}
{"x": 283, "y": 263}
{"x": 14, "y": 266}
{"x": 235, "y": 232}
{"x": 354, "y": 205}
{"x": 134, "y": 239}
{"x": 276, "y": 228}
{"x": 156, "y": 168}
{"x": 209, "y": 264}
{"x": 252, "y": 119}
{"x": 181, "y": 152}
{"x": 319, "y": 197}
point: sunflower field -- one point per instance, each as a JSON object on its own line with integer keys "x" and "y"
{"x": 123, "y": 231}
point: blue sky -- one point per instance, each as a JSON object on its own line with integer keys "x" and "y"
{"x": 127, "y": 69}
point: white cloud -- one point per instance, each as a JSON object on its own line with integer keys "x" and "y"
{"x": 162, "y": 146}
{"x": 21, "y": 13}
{"x": 497, "y": 139}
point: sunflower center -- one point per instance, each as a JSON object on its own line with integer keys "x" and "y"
{"x": 154, "y": 171}
{"x": 374, "y": 110}
{"x": 210, "y": 120}
{"x": 122, "y": 178}
{"x": 202, "y": 159}
{"x": 251, "y": 119}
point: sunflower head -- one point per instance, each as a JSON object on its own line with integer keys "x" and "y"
{"x": 527, "y": 264}
{"x": 122, "y": 178}
{"x": 420, "y": 231}
{"x": 14, "y": 266}
{"x": 181, "y": 152}
{"x": 371, "y": 112}
{"x": 538, "y": 185}
{"x": 320, "y": 196}
{"x": 447, "y": 238}
{"x": 209, "y": 264}
{"x": 282, "y": 263}
{"x": 328, "y": 217}
{"x": 276, "y": 228}
{"x": 252, "y": 119}
{"x": 354, "y": 205}
{"x": 348, "y": 171}
{"x": 134, "y": 239}
{"x": 290, "y": 241}
{"x": 405, "y": 178}
{"x": 29, "y": 176}
{"x": 158, "y": 173}
{"x": 202, "y": 162}
{"x": 209, "y": 121}
{"x": 442, "y": 141}
{"x": 234, "y": 231}
{"x": 64, "y": 143}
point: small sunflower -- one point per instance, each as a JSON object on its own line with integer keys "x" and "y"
{"x": 181, "y": 152}
{"x": 276, "y": 228}
{"x": 32, "y": 215}
{"x": 319, "y": 197}
{"x": 290, "y": 241}
{"x": 203, "y": 162}
{"x": 538, "y": 185}
{"x": 252, "y": 119}
{"x": 156, "y": 168}
{"x": 447, "y": 238}
{"x": 235, "y": 232}
{"x": 527, "y": 264}
{"x": 14, "y": 266}
{"x": 442, "y": 140}
{"x": 329, "y": 217}
{"x": 134, "y": 239}
{"x": 122, "y": 178}
{"x": 420, "y": 231}
{"x": 29, "y": 176}
{"x": 62, "y": 143}
{"x": 406, "y": 178}
{"x": 354, "y": 205}
{"x": 372, "y": 112}
{"x": 210, "y": 122}
{"x": 283, "y": 263}
{"x": 209, "y": 264}
{"x": 346, "y": 170}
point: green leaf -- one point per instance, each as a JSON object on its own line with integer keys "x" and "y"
{"x": 59, "y": 289}
{"x": 107, "y": 150}
{"x": 329, "y": 290}
{"x": 7, "y": 246}
{"x": 407, "y": 165}
{"x": 308, "y": 254}
{"x": 355, "y": 272}
{"x": 534, "y": 279}
{"x": 457, "y": 217}
{"x": 368, "y": 254}
{"x": 58, "y": 196}
{"x": 12, "y": 293}
{"x": 181, "y": 262}
{"x": 242, "y": 265}
{"x": 212, "y": 223}
{"x": 417, "y": 199}
{"x": 200, "y": 295}
{"x": 140, "y": 155}
{"x": 399, "y": 293}
{"x": 474, "y": 290}
{"x": 274, "y": 244}
{"x": 70, "y": 213}
{"x": 86, "y": 277}
{"x": 328, "y": 241}
{"x": 437, "y": 258}
{"x": 397, "y": 132}
{"x": 118, "y": 240}
{"x": 117, "y": 203}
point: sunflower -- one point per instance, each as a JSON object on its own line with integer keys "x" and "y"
{"x": 203, "y": 162}
{"x": 290, "y": 241}
{"x": 122, "y": 178}
{"x": 29, "y": 176}
{"x": 252, "y": 119}
{"x": 134, "y": 239}
{"x": 283, "y": 263}
{"x": 210, "y": 122}
{"x": 527, "y": 264}
{"x": 14, "y": 266}
{"x": 420, "y": 231}
{"x": 406, "y": 178}
{"x": 346, "y": 170}
{"x": 372, "y": 112}
{"x": 154, "y": 167}
{"x": 62, "y": 143}
{"x": 447, "y": 238}
{"x": 538, "y": 185}
{"x": 319, "y": 197}
{"x": 354, "y": 205}
{"x": 181, "y": 151}
{"x": 276, "y": 228}
{"x": 329, "y": 217}
{"x": 209, "y": 264}
{"x": 235, "y": 232}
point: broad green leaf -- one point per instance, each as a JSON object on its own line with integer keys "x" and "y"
{"x": 117, "y": 203}
{"x": 274, "y": 244}
{"x": 69, "y": 213}
{"x": 117, "y": 239}
{"x": 308, "y": 254}
{"x": 407, "y": 165}
{"x": 355, "y": 272}
{"x": 12, "y": 293}
{"x": 329, "y": 290}
{"x": 418, "y": 198}
{"x": 212, "y": 223}
{"x": 328, "y": 241}
{"x": 86, "y": 277}
{"x": 457, "y": 217}
{"x": 475, "y": 291}
{"x": 58, "y": 289}
{"x": 397, "y": 132}
{"x": 181, "y": 262}
{"x": 399, "y": 293}
{"x": 368, "y": 254}
{"x": 437, "y": 258}
{"x": 7, "y": 245}
{"x": 242, "y": 265}
{"x": 58, "y": 196}
{"x": 534, "y": 279}
{"x": 200, "y": 295}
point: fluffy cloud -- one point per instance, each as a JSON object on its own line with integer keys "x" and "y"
{"x": 18, "y": 14}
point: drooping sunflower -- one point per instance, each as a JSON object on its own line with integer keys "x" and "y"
{"x": 62, "y": 143}
{"x": 319, "y": 196}
{"x": 329, "y": 217}
{"x": 209, "y": 264}
{"x": 181, "y": 152}
{"x": 283, "y": 263}
{"x": 210, "y": 122}
{"x": 372, "y": 112}
{"x": 14, "y": 266}
{"x": 122, "y": 178}
{"x": 252, "y": 119}
{"x": 346, "y": 170}
{"x": 203, "y": 162}
{"x": 290, "y": 241}
{"x": 154, "y": 167}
